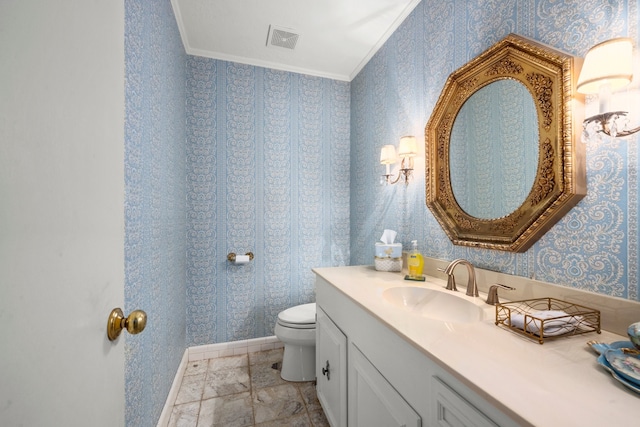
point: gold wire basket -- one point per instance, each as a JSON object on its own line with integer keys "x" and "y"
{"x": 547, "y": 318}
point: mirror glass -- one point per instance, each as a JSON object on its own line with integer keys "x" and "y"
{"x": 493, "y": 150}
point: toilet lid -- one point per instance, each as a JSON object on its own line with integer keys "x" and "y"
{"x": 299, "y": 315}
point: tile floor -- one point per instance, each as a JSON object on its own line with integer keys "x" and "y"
{"x": 244, "y": 390}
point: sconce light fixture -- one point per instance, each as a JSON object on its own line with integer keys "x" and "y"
{"x": 407, "y": 150}
{"x": 607, "y": 67}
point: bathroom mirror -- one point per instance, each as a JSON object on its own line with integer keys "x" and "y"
{"x": 503, "y": 158}
{"x": 491, "y": 177}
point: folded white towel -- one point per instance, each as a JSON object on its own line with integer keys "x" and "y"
{"x": 563, "y": 324}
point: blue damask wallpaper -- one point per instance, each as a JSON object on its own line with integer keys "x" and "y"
{"x": 268, "y": 173}
{"x": 155, "y": 209}
{"x": 595, "y": 246}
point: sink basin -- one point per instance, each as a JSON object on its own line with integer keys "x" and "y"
{"x": 434, "y": 304}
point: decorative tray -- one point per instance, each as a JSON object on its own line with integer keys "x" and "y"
{"x": 545, "y": 318}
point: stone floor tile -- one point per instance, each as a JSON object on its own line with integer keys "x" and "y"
{"x": 281, "y": 401}
{"x": 264, "y": 375}
{"x": 228, "y": 362}
{"x": 185, "y": 415}
{"x": 300, "y": 420}
{"x": 197, "y": 367}
{"x": 190, "y": 389}
{"x": 244, "y": 390}
{"x": 308, "y": 392}
{"x": 267, "y": 356}
{"x": 226, "y": 381}
{"x": 318, "y": 418}
{"x": 227, "y": 411}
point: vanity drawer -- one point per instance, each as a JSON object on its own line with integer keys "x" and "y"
{"x": 452, "y": 410}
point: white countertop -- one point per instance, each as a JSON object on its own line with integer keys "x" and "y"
{"x": 558, "y": 383}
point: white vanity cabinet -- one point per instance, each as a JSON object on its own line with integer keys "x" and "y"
{"x": 372, "y": 400}
{"x": 348, "y": 376}
{"x": 451, "y": 410}
{"x": 378, "y": 379}
{"x": 331, "y": 369}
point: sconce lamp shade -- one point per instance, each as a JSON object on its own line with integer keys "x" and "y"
{"x": 407, "y": 150}
{"x": 609, "y": 63}
{"x": 408, "y": 147}
{"x": 388, "y": 155}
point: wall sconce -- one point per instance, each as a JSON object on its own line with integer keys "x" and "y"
{"x": 607, "y": 67}
{"x": 407, "y": 150}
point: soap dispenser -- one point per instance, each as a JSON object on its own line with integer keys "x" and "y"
{"x": 415, "y": 263}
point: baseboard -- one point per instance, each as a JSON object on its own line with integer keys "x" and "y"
{"x": 212, "y": 351}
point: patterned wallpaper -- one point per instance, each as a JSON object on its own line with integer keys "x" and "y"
{"x": 595, "y": 246}
{"x": 155, "y": 210}
{"x": 267, "y": 172}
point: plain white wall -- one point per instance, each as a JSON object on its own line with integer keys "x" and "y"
{"x": 61, "y": 211}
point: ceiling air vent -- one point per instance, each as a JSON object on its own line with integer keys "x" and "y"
{"x": 282, "y": 37}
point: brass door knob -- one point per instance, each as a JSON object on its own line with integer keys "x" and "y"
{"x": 134, "y": 323}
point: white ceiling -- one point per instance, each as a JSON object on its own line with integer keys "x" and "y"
{"x": 336, "y": 37}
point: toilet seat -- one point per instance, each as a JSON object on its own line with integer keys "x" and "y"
{"x": 297, "y": 325}
{"x": 299, "y": 317}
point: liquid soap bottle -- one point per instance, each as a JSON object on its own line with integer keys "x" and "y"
{"x": 415, "y": 262}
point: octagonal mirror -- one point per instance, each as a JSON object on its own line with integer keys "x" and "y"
{"x": 504, "y": 161}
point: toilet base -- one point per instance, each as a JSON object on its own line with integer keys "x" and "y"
{"x": 299, "y": 363}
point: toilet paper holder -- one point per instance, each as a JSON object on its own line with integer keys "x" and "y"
{"x": 232, "y": 256}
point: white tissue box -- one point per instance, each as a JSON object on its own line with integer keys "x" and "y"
{"x": 388, "y": 257}
{"x": 392, "y": 250}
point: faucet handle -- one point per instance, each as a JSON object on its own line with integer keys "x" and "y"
{"x": 492, "y": 296}
{"x": 451, "y": 280}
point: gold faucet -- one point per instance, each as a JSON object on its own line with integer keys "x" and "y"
{"x": 472, "y": 286}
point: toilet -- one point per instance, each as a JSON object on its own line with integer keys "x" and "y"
{"x": 296, "y": 328}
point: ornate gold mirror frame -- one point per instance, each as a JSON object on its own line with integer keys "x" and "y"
{"x": 560, "y": 182}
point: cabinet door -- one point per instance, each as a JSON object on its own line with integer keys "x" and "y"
{"x": 331, "y": 369}
{"x": 452, "y": 410}
{"x": 373, "y": 402}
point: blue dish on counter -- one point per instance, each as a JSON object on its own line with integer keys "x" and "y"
{"x": 601, "y": 347}
{"x": 625, "y": 365}
{"x": 602, "y": 360}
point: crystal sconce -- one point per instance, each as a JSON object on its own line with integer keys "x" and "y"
{"x": 607, "y": 68}
{"x": 407, "y": 150}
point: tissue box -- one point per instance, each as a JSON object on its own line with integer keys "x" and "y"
{"x": 388, "y": 257}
